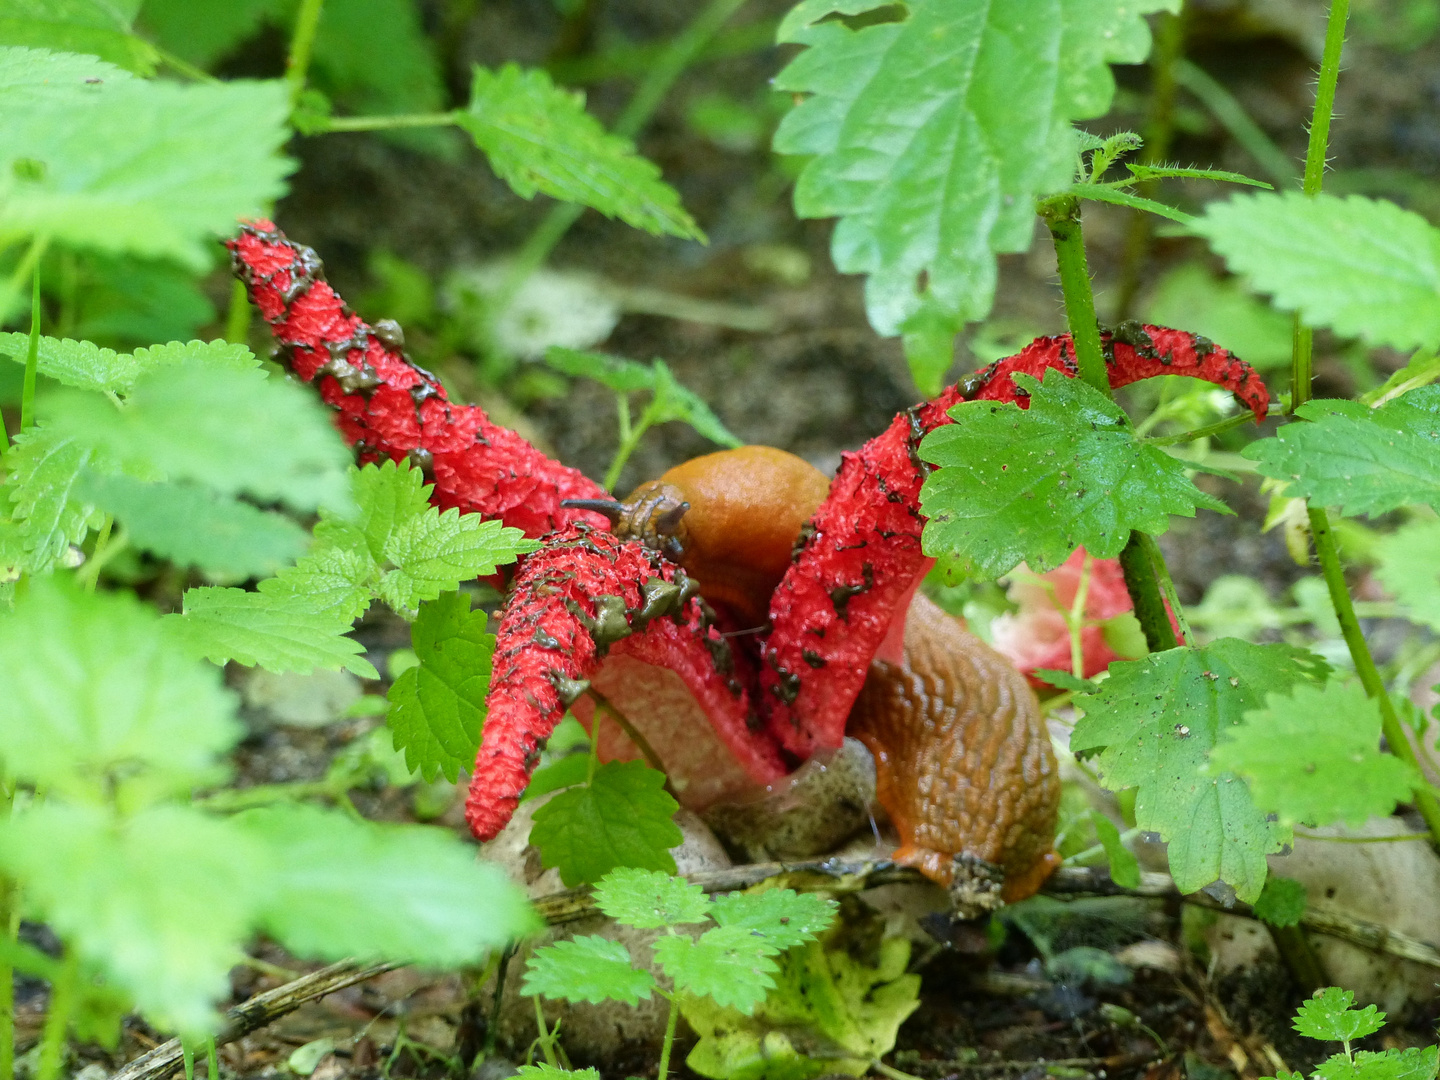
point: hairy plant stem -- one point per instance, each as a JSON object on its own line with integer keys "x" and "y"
{"x": 389, "y": 123}
{"x": 659, "y": 77}
{"x": 1167, "y": 585}
{"x": 63, "y": 992}
{"x": 302, "y": 44}
{"x": 237, "y": 319}
{"x": 1061, "y": 215}
{"x": 670, "y": 1021}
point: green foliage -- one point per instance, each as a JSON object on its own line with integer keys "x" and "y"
{"x": 1410, "y": 569}
{"x": 406, "y": 893}
{"x": 1281, "y": 902}
{"x": 539, "y": 137}
{"x": 1330, "y": 1015}
{"x": 935, "y": 191}
{"x": 1155, "y": 721}
{"x": 43, "y": 472}
{"x": 726, "y": 965}
{"x": 93, "y": 27}
{"x": 1031, "y": 485}
{"x": 646, "y": 899}
{"x": 586, "y": 968}
{"x": 836, "y": 1008}
{"x": 1314, "y": 757}
{"x": 1362, "y": 267}
{"x": 1366, "y": 461}
{"x": 150, "y": 168}
{"x": 622, "y": 817}
{"x": 86, "y": 366}
{"x": 438, "y": 706}
{"x": 542, "y": 1071}
{"x": 1124, "y": 867}
{"x": 154, "y": 731}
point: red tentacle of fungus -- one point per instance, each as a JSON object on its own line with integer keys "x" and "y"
{"x": 388, "y": 407}
{"x": 843, "y": 600}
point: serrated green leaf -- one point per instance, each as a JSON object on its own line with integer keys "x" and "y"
{"x": 1330, "y": 1015}
{"x": 410, "y": 893}
{"x": 1156, "y": 172}
{"x": 1366, "y": 461}
{"x": 435, "y": 552}
{"x": 675, "y": 402}
{"x": 543, "y": 1071}
{"x": 374, "y": 55}
{"x": 261, "y": 629}
{"x": 96, "y": 694}
{"x": 586, "y": 968}
{"x": 836, "y": 1008}
{"x": 1116, "y": 197}
{"x": 780, "y": 918}
{"x": 333, "y": 581}
{"x": 932, "y": 191}
{"x": 647, "y": 899}
{"x": 386, "y": 496}
{"x": 567, "y": 772}
{"x": 90, "y": 27}
{"x": 621, "y": 375}
{"x": 1410, "y": 569}
{"x": 1362, "y": 267}
{"x": 1414, "y": 1063}
{"x": 539, "y": 137}
{"x": 438, "y": 707}
{"x": 1155, "y": 722}
{"x": 621, "y": 818}
{"x": 151, "y": 168}
{"x": 1190, "y": 296}
{"x": 86, "y": 366}
{"x": 192, "y": 526}
{"x": 1314, "y": 757}
{"x": 1031, "y": 485}
{"x": 33, "y": 76}
{"x": 1281, "y": 902}
{"x": 43, "y": 471}
{"x": 727, "y": 964}
{"x": 160, "y": 903}
{"x": 230, "y": 429}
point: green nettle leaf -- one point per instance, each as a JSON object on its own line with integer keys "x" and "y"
{"x": 1155, "y": 722}
{"x": 1364, "y": 460}
{"x": 1361, "y": 267}
{"x": 726, "y": 965}
{"x": 159, "y": 903}
{"x": 231, "y": 429}
{"x": 542, "y": 1071}
{"x": 435, "y": 552}
{"x": 86, "y": 366}
{"x": 837, "y": 1008}
{"x": 398, "y": 892}
{"x": 1314, "y": 757}
{"x": 96, "y": 27}
{"x": 437, "y": 707}
{"x": 647, "y": 899}
{"x": 566, "y": 772}
{"x": 96, "y": 693}
{"x": 780, "y": 919}
{"x": 203, "y": 31}
{"x": 150, "y": 168}
{"x": 1031, "y": 485}
{"x": 276, "y": 633}
{"x": 1331, "y": 1015}
{"x": 1281, "y": 902}
{"x": 1416, "y": 1063}
{"x": 334, "y": 581}
{"x": 1410, "y": 569}
{"x": 619, "y": 374}
{"x": 43, "y": 472}
{"x": 931, "y": 134}
{"x": 587, "y": 968}
{"x": 675, "y": 402}
{"x": 539, "y": 137}
{"x": 623, "y": 817}
{"x": 30, "y": 76}
{"x": 192, "y": 526}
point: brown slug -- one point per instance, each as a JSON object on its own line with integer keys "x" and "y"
{"x": 964, "y": 765}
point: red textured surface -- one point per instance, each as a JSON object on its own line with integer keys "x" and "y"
{"x": 867, "y": 533}
{"x": 542, "y": 634}
{"x": 477, "y": 466}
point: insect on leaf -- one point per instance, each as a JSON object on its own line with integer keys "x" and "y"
{"x": 539, "y": 137}
{"x": 438, "y": 706}
{"x": 1314, "y": 757}
{"x": 1155, "y": 722}
{"x": 1031, "y": 485}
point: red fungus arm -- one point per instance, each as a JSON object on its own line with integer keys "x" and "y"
{"x": 860, "y": 560}
{"x": 389, "y": 408}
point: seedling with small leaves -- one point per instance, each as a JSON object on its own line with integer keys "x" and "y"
{"x": 1331, "y": 1016}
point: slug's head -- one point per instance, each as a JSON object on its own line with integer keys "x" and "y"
{"x": 654, "y": 514}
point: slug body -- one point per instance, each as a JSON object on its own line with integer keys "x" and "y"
{"x": 964, "y": 767}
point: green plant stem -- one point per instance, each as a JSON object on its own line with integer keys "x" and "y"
{"x": 658, "y": 80}
{"x": 302, "y": 44}
{"x": 107, "y": 546}
{"x": 1062, "y": 216}
{"x": 389, "y": 123}
{"x": 183, "y": 66}
{"x": 237, "y": 319}
{"x": 603, "y": 704}
{"x": 32, "y": 356}
{"x": 629, "y": 440}
{"x": 212, "y": 1059}
{"x": 1329, "y": 556}
{"x": 1144, "y": 592}
{"x": 1235, "y": 120}
{"x": 546, "y": 1039}
{"x": 187, "y": 1055}
{"x": 1167, "y": 586}
{"x": 1220, "y": 426}
{"x": 1076, "y": 619}
{"x": 670, "y": 1021}
{"x": 63, "y": 992}
{"x": 9, "y": 925}
{"x": 21, "y": 274}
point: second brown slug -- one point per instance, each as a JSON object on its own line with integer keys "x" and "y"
{"x": 964, "y": 766}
